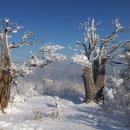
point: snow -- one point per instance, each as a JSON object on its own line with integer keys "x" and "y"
{"x": 128, "y": 53}
{"x": 50, "y": 53}
{"x": 22, "y": 116}
{"x": 7, "y": 20}
{"x": 122, "y": 56}
{"x": 15, "y": 31}
{"x": 29, "y": 112}
{"x": 35, "y": 60}
{"x": 20, "y": 69}
{"x": 117, "y": 23}
{"x": 81, "y": 59}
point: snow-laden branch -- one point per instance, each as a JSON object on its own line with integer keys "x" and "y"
{"x": 81, "y": 59}
{"x": 91, "y": 50}
{"x": 26, "y": 40}
{"x": 117, "y": 24}
{"x": 8, "y": 26}
{"x": 90, "y": 36}
{"x": 34, "y": 61}
{"x": 20, "y": 70}
{"x": 48, "y": 53}
{"x": 113, "y": 34}
{"x": 112, "y": 53}
{"x": 95, "y": 54}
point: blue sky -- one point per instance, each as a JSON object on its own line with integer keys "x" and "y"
{"x": 57, "y": 21}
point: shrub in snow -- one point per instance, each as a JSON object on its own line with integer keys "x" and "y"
{"x": 35, "y": 115}
{"x": 56, "y": 111}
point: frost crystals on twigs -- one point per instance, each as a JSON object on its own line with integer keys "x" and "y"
{"x": 57, "y": 108}
{"x": 48, "y": 54}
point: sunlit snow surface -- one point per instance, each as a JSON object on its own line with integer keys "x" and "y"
{"x": 74, "y": 116}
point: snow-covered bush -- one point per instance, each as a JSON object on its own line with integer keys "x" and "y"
{"x": 35, "y": 115}
{"x": 117, "y": 95}
{"x": 56, "y": 111}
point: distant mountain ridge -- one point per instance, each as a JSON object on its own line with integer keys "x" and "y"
{"x": 61, "y": 72}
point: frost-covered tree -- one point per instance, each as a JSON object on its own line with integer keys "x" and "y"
{"x": 123, "y": 91}
{"x": 48, "y": 54}
{"x": 97, "y": 52}
{"x": 57, "y": 108}
{"x": 8, "y": 70}
{"x": 117, "y": 93}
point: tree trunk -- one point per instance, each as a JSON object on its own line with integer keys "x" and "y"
{"x": 99, "y": 77}
{"x": 5, "y": 77}
{"x": 5, "y": 86}
{"x": 88, "y": 84}
{"x": 93, "y": 78}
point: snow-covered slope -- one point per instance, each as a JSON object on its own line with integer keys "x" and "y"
{"x": 73, "y": 116}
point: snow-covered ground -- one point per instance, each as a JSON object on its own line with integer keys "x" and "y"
{"x": 21, "y": 116}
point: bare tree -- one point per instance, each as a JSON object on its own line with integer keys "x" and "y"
{"x": 6, "y": 71}
{"x": 95, "y": 57}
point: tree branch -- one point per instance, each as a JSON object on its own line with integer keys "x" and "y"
{"x": 43, "y": 65}
{"x": 24, "y": 41}
{"x": 108, "y": 38}
{"x": 113, "y": 48}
